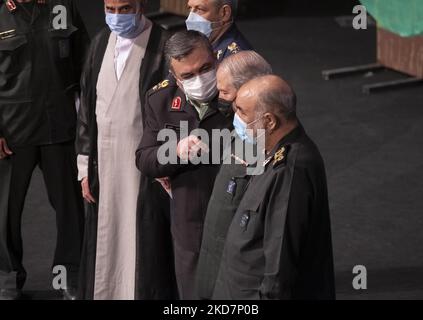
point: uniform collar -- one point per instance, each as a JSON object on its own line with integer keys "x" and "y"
{"x": 229, "y": 34}
{"x": 278, "y": 153}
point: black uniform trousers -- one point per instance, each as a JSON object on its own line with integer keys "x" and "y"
{"x": 58, "y": 165}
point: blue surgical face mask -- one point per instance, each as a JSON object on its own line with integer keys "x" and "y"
{"x": 127, "y": 26}
{"x": 241, "y": 128}
{"x": 200, "y": 24}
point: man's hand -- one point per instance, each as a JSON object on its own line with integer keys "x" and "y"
{"x": 165, "y": 182}
{"x": 4, "y": 149}
{"x": 190, "y": 148}
{"x": 86, "y": 193}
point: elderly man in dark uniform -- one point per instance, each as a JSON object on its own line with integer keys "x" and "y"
{"x": 233, "y": 72}
{"x": 216, "y": 19}
{"x": 42, "y": 44}
{"x": 279, "y": 243}
{"x": 190, "y": 96}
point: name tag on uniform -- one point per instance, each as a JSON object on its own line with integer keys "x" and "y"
{"x": 244, "y": 221}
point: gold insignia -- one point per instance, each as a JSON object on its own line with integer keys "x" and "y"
{"x": 279, "y": 156}
{"x": 161, "y": 85}
{"x": 7, "y": 34}
{"x": 219, "y": 54}
{"x": 234, "y": 48}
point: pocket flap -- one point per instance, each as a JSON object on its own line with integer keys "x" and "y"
{"x": 12, "y": 43}
{"x": 63, "y": 33}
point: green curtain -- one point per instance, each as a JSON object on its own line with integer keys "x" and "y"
{"x": 402, "y": 17}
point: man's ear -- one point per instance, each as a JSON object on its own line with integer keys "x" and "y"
{"x": 226, "y": 13}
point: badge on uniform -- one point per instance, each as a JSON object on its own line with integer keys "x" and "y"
{"x": 231, "y": 187}
{"x": 244, "y": 220}
{"x": 177, "y": 104}
{"x": 7, "y": 34}
{"x": 219, "y": 54}
{"x": 234, "y": 48}
{"x": 10, "y": 5}
{"x": 279, "y": 156}
{"x": 161, "y": 85}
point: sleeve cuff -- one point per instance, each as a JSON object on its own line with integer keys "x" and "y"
{"x": 82, "y": 162}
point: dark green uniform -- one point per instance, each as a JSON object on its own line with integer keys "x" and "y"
{"x": 40, "y": 68}
{"x": 227, "y": 193}
{"x": 279, "y": 243}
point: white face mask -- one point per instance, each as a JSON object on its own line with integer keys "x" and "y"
{"x": 201, "y": 88}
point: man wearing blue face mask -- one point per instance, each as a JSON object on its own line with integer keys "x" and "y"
{"x": 278, "y": 245}
{"x": 232, "y": 74}
{"x": 125, "y": 61}
{"x": 215, "y": 19}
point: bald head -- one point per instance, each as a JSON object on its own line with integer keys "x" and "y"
{"x": 271, "y": 94}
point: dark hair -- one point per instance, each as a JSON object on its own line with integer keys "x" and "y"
{"x": 183, "y": 43}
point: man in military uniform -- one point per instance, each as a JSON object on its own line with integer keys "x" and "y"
{"x": 190, "y": 96}
{"x": 215, "y": 19}
{"x": 42, "y": 44}
{"x": 279, "y": 243}
{"x": 233, "y": 72}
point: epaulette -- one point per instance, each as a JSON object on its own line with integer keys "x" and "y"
{"x": 159, "y": 86}
{"x": 234, "y": 48}
{"x": 278, "y": 158}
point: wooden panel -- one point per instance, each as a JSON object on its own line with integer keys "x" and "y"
{"x": 178, "y": 7}
{"x": 401, "y": 54}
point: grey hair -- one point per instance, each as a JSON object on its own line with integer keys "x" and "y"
{"x": 232, "y": 3}
{"x": 245, "y": 66}
{"x": 280, "y": 100}
{"x": 183, "y": 43}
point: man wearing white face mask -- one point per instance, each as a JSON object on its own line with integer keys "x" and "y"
{"x": 215, "y": 19}
{"x": 125, "y": 60}
{"x": 190, "y": 96}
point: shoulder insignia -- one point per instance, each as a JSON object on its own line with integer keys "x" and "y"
{"x": 234, "y": 48}
{"x": 279, "y": 156}
{"x": 161, "y": 85}
{"x": 219, "y": 54}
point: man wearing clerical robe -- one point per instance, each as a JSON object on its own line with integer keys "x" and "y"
{"x": 122, "y": 65}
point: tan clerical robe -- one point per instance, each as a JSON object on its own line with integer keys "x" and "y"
{"x": 119, "y": 123}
